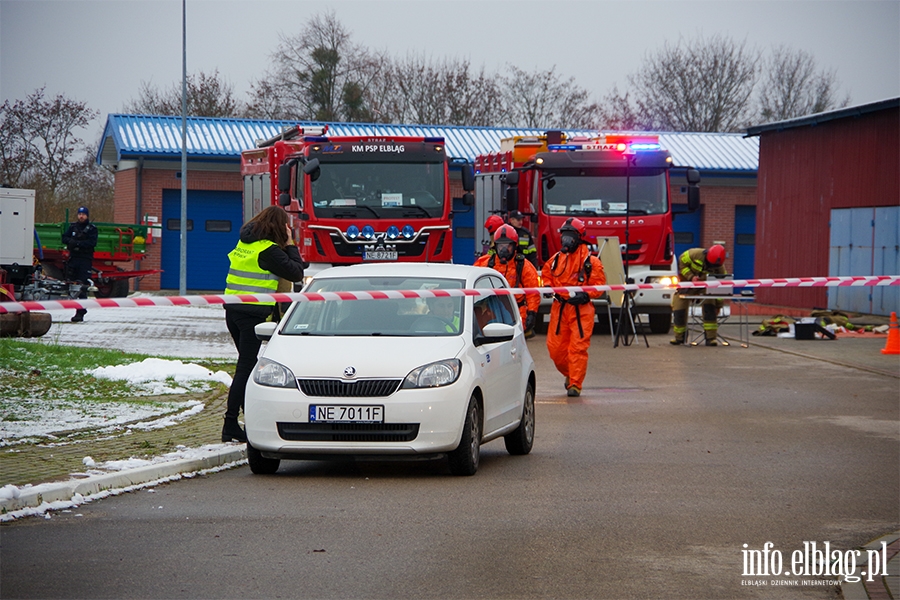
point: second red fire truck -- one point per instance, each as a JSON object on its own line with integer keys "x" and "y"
{"x": 617, "y": 184}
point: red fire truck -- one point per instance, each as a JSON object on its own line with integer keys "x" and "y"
{"x": 617, "y": 184}
{"x": 356, "y": 199}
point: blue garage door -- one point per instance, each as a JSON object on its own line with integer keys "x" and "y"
{"x": 864, "y": 241}
{"x": 463, "y": 233}
{"x": 744, "y": 241}
{"x": 687, "y": 228}
{"x": 214, "y": 220}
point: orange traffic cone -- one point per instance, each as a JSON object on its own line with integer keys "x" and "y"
{"x": 893, "y": 342}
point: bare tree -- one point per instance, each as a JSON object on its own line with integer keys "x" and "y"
{"x": 318, "y": 74}
{"x": 793, "y": 86}
{"x": 41, "y": 150}
{"x": 208, "y": 95}
{"x": 544, "y": 99}
{"x": 422, "y": 90}
{"x": 618, "y": 113}
{"x": 703, "y": 85}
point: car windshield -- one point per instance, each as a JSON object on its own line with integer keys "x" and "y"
{"x": 388, "y": 190}
{"x": 603, "y": 192}
{"x": 405, "y": 317}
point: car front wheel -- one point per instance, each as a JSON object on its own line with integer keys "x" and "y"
{"x": 464, "y": 459}
{"x": 521, "y": 439}
{"x": 259, "y": 464}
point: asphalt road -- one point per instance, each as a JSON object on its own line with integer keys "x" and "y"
{"x": 647, "y": 486}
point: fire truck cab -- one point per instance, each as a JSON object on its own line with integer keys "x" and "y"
{"x": 356, "y": 199}
{"x": 617, "y": 184}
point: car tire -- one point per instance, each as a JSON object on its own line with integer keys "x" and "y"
{"x": 464, "y": 459}
{"x": 259, "y": 464}
{"x": 521, "y": 440}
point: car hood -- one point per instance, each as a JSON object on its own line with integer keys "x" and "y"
{"x": 370, "y": 356}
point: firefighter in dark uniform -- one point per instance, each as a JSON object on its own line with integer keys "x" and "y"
{"x": 695, "y": 265}
{"x": 526, "y": 243}
{"x": 80, "y": 239}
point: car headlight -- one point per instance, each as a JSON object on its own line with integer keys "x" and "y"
{"x": 273, "y": 374}
{"x": 436, "y": 374}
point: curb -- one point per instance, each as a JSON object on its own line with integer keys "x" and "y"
{"x": 66, "y": 490}
{"x": 883, "y": 587}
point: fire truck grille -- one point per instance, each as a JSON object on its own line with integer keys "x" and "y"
{"x": 355, "y": 249}
{"x": 335, "y": 388}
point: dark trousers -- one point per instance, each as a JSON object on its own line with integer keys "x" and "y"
{"x": 241, "y": 319}
{"x": 78, "y": 268}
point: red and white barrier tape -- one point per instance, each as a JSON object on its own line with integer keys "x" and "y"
{"x": 17, "y": 307}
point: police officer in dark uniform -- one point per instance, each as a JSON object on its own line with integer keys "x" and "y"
{"x": 526, "y": 244}
{"x": 81, "y": 239}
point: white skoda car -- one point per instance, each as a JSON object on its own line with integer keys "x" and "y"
{"x": 392, "y": 377}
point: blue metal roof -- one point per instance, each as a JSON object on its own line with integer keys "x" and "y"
{"x": 129, "y": 137}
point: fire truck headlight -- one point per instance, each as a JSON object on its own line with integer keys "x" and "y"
{"x": 667, "y": 281}
{"x": 352, "y": 232}
{"x": 408, "y": 232}
{"x": 368, "y": 232}
{"x": 393, "y": 232}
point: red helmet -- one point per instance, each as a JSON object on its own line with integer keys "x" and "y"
{"x": 492, "y": 223}
{"x": 506, "y": 234}
{"x": 576, "y": 225}
{"x": 715, "y": 255}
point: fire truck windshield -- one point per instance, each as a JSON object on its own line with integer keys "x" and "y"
{"x": 603, "y": 191}
{"x": 384, "y": 190}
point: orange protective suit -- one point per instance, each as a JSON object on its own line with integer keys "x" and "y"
{"x": 571, "y": 325}
{"x": 525, "y": 276}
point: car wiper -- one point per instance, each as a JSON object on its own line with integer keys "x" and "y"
{"x": 370, "y": 209}
{"x": 418, "y": 208}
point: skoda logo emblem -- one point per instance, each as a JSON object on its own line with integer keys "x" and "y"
{"x": 350, "y": 372}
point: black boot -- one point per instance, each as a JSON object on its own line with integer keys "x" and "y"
{"x": 79, "y": 315}
{"x": 232, "y": 432}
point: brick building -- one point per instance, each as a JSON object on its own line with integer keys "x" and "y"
{"x": 145, "y": 153}
{"x": 829, "y": 201}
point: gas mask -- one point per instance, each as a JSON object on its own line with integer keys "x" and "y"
{"x": 569, "y": 241}
{"x": 505, "y": 252}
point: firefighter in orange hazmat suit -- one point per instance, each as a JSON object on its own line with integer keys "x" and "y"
{"x": 572, "y": 315}
{"x": 518, "y": 271}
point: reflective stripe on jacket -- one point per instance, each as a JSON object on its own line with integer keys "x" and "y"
{"x": 245, "y": 276}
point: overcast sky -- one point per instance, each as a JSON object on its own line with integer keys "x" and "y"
{"x": 99, "y": 51}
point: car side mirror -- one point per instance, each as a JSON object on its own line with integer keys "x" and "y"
{"x": 494, "y": 333}
{"x": 284, "y": 177}
{"x": 468, "y": 178}
{"x": 265, "y": 331}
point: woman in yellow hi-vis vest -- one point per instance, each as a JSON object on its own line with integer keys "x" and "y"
{"x": 265, "y": 253}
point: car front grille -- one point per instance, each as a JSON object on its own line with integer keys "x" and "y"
{"x": 348, "y": 432}
{"x": 335, "y": 388}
